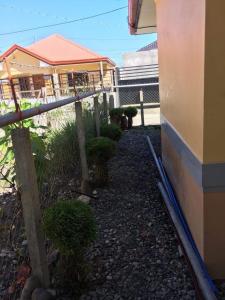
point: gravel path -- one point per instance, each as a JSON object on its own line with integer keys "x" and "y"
{"x": 136, "y": 253}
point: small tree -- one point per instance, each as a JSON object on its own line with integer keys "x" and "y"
{"x": 99, "y": 151}
{"x": 111, "y": 131}
{"x": 130, "y": 112}
{"x": 116, "y": 115}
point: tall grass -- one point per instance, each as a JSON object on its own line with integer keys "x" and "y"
{"x": 63, "y": 148}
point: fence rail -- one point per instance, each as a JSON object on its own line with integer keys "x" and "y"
{"x": 39, "y": 178}
{"x": 13, "y": 117}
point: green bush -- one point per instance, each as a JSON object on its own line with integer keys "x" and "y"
{"x": 99, "y": 151}
{"x": 130, "y": 112}
{"x": 70, "y": 225}
{"x": 111, "y": 131}
{"x": 116, "y": 115}
{"x": 116, "y": 112}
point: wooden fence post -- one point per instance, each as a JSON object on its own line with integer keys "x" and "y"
{"x": 105, "y": 108}
{"x": 142, "y": 108}
{"x": 111, "y": 102}
{"x": 27, "y": 185}
{"x": 85, "y": 185}
{"x": 96, "y": 115}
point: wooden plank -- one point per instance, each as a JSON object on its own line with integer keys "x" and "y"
{"x": 27, "y": 185}
{"x": 85, "y": 186}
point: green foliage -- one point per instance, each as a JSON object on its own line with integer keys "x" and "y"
{"x": 100, "y": 149}
{"x": 7, "y": 159}
{"x": 116, "y": 112}
{"x": 130, "y": 111}
{"x": 111, "y": 131}
{"x": 70, "y": 225}
{"x": 63, "y": 145}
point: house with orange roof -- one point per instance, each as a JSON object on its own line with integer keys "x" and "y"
{"x": 55, "y": 64}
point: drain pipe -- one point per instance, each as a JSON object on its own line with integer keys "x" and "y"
{"x": 204, "y": 280}
{"x": 201, "y": 277}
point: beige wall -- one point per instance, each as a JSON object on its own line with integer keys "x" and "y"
{"x": 22, "y": 67}
{"x": 187, "y": 190}
{"x": 181, "y": 63}
{"x": 191, "y": 38}
{"x": 214, "y": 116}
{"x": 214, "y": 237}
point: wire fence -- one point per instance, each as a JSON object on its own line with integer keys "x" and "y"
{"x": 55, "y": 149}
{"x": 51, "y": 87}
{"x": 131, "y": 80}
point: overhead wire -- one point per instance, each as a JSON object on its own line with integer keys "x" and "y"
{"x": 63, "y": 23}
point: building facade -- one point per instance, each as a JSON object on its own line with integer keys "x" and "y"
{"x": 191, "y": 47}
{"x": 52, "y": 66}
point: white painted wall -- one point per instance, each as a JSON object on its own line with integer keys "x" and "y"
{"x": 140, "y": 58}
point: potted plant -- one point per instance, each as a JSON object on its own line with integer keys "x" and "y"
{"x": 130, "y": 112}
{"x": 111, "y": 131}
{"x": 116, "y": 115}
{"x": 99, "y": 151}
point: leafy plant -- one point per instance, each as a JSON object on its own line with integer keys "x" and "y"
{"x": 70, "y": 225}
{"x": 7, "y": 159}
{"x": 63, "y": 145}
{"x": 62, "y": 148}
{"x": 130, "y": 112}
{"x": 99, "y": 151}
{"x": 111, "y": 131}
{"x": 116, "y": 115}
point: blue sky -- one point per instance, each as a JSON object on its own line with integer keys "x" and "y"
{"x": 107, "y": 35}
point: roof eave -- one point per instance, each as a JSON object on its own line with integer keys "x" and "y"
{"x": 53, "y": 63}
{"x": 142, "y": 16}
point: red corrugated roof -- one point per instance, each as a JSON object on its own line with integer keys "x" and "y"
{"x": 56, "y": 50}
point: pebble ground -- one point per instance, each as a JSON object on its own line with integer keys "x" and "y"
{"x": 136, "y": 254}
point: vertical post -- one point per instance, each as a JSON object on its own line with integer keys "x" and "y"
{"x": 27, "y": 185}
{"x": 97, "y": 117}
{"x": 111, "y": 102}
{"x": 56, "y": 85}
{"x": 142, "y": 108}
{"x": 11, "y": 85}
{"x": 85, "y": 186}
{"x": 102, "y": 73}
{"x": 117, "y": 89}
{"x": 105, "y": 108}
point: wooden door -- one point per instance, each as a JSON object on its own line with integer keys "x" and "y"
{"x": 38, "y": 81}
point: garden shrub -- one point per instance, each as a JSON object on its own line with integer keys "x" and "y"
{"x": 70, "y": 225}
{"x": 130, "y": 112}
{"x": 116, "y": 115}
{"x": 99, "y": 151}
{"x": 111, "y": 131}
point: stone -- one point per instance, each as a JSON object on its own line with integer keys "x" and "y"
{"x": 31, "y": 284}
{"x": 41, "y": 294}
{"x": 84, "y": 199}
